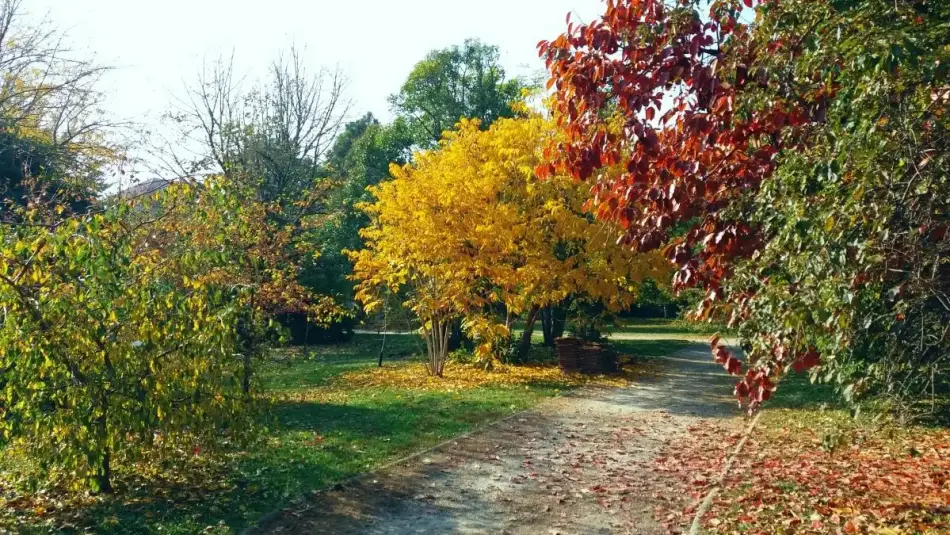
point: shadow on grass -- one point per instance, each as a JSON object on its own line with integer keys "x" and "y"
{"x": 314, "y": 445}
{"x": 314, "y": 366}
{"x": 796, "y": 391}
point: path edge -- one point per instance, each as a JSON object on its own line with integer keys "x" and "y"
{"x": 261, "y": 522}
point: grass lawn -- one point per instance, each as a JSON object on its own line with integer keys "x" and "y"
{"x": 333, "y": 416}
{"x": 664, "y": 326}
{"x": 659, "y": 329}
{"x": 649, "y": 349}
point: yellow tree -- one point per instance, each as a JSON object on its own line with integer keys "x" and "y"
{"x": 468, "y": 225}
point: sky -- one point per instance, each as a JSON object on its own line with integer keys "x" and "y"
{"x": 157, "y": 46}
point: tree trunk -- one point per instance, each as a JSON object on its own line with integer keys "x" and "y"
{"x": 546, "y": 326}
{"x": 525, "y": 346}
{"x": 246, "y": 380}
{"x": 553, "y": 319}
{"x": 382, "y": 348}
{"x": 437, "y": 344}
{"x": 101, "y": 480}
{"x": 246, "y": 335}
{"x": 558, "y": 321}
{"x": 306, "y": 336}
{"x": 456, "y": 337}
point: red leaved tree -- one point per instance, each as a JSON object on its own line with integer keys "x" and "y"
{"x": 671, "y": 79}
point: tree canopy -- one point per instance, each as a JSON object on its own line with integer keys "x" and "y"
{"x": 467, "y": 226}
{"x": 802, "y": 148}
{"x": 455, "y": 82}
{"x": 55, "y": 141}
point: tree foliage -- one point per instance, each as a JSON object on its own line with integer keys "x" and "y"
{"x": 274, "y": 141}
{"x": 449, "y": 84}
{"x": 54, "y": 138}
{"x": 802, "y": 146}
{"x": 360, "y": 158}
{"x": 274, "y": 135}
{"x": 467, "y": 226}
{"x": 105, "y": 343}
{"x": 259, "y": 259}
{"x": 142, "y": 320}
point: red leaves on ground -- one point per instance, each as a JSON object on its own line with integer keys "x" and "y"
{"x": 694, "y": 463}
{"x": 885, "y": 481}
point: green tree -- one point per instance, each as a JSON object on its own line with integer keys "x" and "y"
{"x": 343, "y": 144}
{"x": 259, "y": 257}
{"x": 854, "y": 277}
{"x": 449, "y": 84}
{"x": 362, "y": 162}
{"x": 106, "y": 342}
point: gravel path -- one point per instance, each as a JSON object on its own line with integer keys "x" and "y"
{"x": 573, "y": 465}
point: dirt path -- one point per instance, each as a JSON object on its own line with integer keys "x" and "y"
{"x": 573, "y": 465}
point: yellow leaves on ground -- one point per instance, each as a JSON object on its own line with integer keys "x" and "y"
{"x": 411, "y": 378}
{"x": 465, "y": 377}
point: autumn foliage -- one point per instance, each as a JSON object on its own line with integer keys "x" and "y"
{"x": 106, "y": 344}
{"x": 752, "y": 143}
{"x": 467, "y": 227}
{"x": 144, "y": 319}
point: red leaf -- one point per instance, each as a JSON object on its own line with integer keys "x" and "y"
{"x": 742, "y": 390}
{"x": 733, "y": 366}
{"x": 807, "y": 361}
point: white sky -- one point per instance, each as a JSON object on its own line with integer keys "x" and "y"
{"x": 158, "y": 45}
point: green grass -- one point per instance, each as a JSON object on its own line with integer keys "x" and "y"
{"x": 796, "y": 391}
{"x": 800, "y": 404}
{"x": 298, "y": 369}
{"x": 664, "y": 326}
{"x": 310, "y": 445}
{"x": 648, "y": 349}
{"x": 640, "y": 326}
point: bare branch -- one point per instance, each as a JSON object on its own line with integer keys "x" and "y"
{"x": 274, "y": 133}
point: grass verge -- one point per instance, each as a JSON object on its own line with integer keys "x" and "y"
{"x": 661, "y": 326}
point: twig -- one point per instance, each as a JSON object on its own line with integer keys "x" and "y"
{"x": 717, "y": 486}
